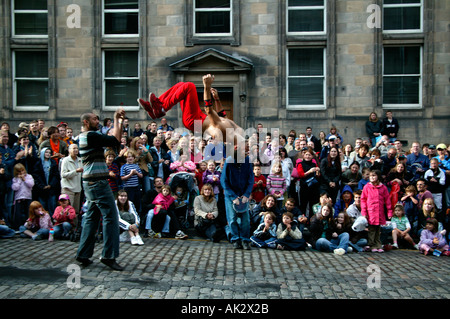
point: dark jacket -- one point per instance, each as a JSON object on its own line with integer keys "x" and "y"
{"x": 373, "y": 127}
{"x": 318, "y": 226}
{"x": 40, "y": 181}
{"x": 237, "y": 178}
{"x": 390, "y": 127}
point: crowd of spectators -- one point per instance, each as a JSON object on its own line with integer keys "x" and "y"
{"x": 308, "y": 191}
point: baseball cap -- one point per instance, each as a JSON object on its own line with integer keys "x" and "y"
{"x": 63, "y": 196}
{"x": 441, "y": 146}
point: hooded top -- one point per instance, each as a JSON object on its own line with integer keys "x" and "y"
{"x": 341, "y": 205}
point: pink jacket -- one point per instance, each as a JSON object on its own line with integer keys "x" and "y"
{"x": 374, "y": 199}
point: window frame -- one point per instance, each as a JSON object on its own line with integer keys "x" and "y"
{"x": 299, "y": 8}
{"x": 31, "y": 108}
{"x": 201, "y": 35}
{"x": 104, "y": 79}
{"x": 30, "y": 11}
{"x": 125, "y": 35}
{"x": 420, "y": 75}
{"x": 305, "y": 107}
{"x": 404, "y": 5}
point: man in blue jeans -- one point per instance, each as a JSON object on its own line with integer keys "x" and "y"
{"x": 237, "y": 180}
{"x": 99, "y": 196}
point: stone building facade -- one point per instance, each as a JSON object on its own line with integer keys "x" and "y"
{"x": 287, "y": 64}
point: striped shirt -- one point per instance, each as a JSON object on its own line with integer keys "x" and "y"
{"x": 276, "y": 184}
{"x": 133, "y": 181}
{"x": 93, "y": 156}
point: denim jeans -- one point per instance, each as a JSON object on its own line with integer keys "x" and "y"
{"x": 43, "y": 232}
{"x": 148, "y": 223}
{"x": 341, "y": 241}
{"x": 239, "y": 223}
{"x": 62, "y": 229}
{"x": 6, "y": 232}
{"x": 100, "y": 205}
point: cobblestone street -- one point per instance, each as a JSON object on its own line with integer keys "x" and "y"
{"x": 198, "y": 269}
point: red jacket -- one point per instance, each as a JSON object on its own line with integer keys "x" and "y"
{"x": 67, "y": 215}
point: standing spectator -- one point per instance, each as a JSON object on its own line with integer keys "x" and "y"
{"x": 164, "y": 126}
{"x": 12, "y": 138}
{"x": 144, "y": 160}
{"x": 161, "y": 160}
{"x": 114, "y": 172}
{"x": 331, "y": 172}
{"x": 390, "y": 127}
{"x": 309, "y": 173}
{"x": 138, "y": 131}
{"x": 374, "y": 201}
{"x": 22, "y": 185}
{"x": 47, "y": 180}
{"x": 237, "y": 182}
{"x": 151, "y": 132}
{"x": 71, "y": 170}
{"x": 8, "y": 160}
{"x": 34, "y": 133}
{"x": 374, "y": 127}
{"x": 107, "y": 125}
{"x": 99, "y": 197}
{"x": 130, "y": 173}
{"x": 58, "y": 147}
{"x": 26, "y": 152}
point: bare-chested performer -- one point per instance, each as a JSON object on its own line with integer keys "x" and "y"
{"x": 185, "y": 93}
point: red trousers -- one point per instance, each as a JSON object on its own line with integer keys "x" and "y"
{"x": 184, "y": 93}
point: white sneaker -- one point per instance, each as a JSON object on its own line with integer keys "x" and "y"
{"x": 416, "y": 246}
{"x": 180, "y": 235}
{"x": 395, "y": 245}
{"x": 339, "y": 251}
{"x": 133, "y": 240}
{"x": 139, "y": 240}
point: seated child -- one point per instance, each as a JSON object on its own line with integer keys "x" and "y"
{"x": 299, "y": 217}
{"x": 324, "y": 199}
{"x": 432, "y": 241}
{"x": 401, "y": 227}
{"x": 38, "y": 224}
{"x": 265, "y": 234}
{"x": 64, "y": 217}
{"x": 289, "y": 235}
{"x": 162, "y": 201}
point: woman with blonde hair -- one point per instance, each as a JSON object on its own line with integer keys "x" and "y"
{"x": 206, "y": 214}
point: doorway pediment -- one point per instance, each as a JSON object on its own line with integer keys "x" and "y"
{"x": 212, "y": 61}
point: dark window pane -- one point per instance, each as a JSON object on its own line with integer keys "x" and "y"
{"x": 400, "y": 90}
{"x": 121, "y": 4}
{"x": 32, "y": 64}
{"x": 121, "y": 23}
{"x": 401, "y": 60}
{"x": 212, "y": 22}
{"x": 121, "y": 92}
{"x": 121, "y": 64}
{"x": 30, "y": 23}
{"x": 400, "y": 1}
{"x": 30, "y": 4}
{"x": 306, "y": 3}
{"x": 306, "y": 91}
{"x": 401, "y": 18}
{"x": 202, "y": 4}
{"x": 305, "y": 20}
{"x": 305, "y": 62}
{"x": 32, "y": 93}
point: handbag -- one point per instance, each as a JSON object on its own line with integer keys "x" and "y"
{"x": 311, "y": 181}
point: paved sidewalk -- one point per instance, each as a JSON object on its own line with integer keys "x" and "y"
{"x": 199, "y": 269}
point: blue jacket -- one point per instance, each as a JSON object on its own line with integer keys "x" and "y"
{"x": 237, "y": 179}
{"x": 340, "y": 205}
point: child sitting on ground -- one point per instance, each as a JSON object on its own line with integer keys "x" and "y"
{"x": 162, "y": 201}
{"x": 289, "y": 236}
{"x": 38, "y": 224}
{"x": 432, "y": 241}
{"x": 401, "y": 227}
{"x": 64, "y": 217}
{"x": 265, "y": 234}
